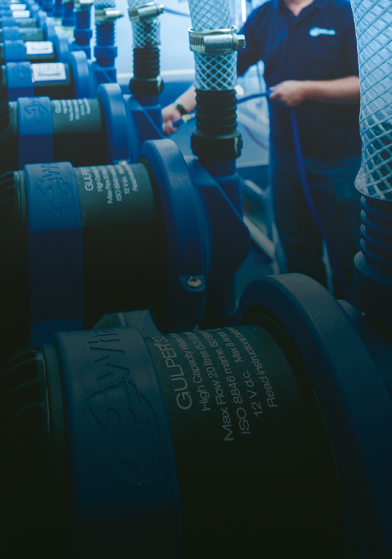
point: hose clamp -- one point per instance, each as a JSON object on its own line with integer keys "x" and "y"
{"x": 216, "y": 41}
{"x": 83, "y": 4}
{"x": 108, "y": 15}
{"x": 145, "y": 12}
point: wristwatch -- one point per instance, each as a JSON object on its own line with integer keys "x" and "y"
{"x": 180, "y": 108}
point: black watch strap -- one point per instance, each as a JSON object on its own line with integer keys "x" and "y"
{"x": 180, "y": 108}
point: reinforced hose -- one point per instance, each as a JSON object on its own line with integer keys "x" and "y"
{"x": 146, "y": 29}
{"x": 213, "y": 72}
{"x": 373, "y": 30}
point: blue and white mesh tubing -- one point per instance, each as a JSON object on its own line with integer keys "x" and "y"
{"x": 145, "y": 23}
{"x": 373, "y": 29}
{"x": 206, "y": 15}
{"x": 146, "y": 83}
{"x": 214, "y": 43}
{"x": 373, "y": 265}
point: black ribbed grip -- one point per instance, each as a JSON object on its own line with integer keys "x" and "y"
{"x": 216, "y": 136}
{"x": 34, "y": 466}
{"x": 8, "y": 137}
{"x": 146, "y": 79}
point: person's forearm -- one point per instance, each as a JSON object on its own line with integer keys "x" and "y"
{"x": 343, "y": 91}
{"x": 171, "y": 112}
{"x": 188, "y": 99}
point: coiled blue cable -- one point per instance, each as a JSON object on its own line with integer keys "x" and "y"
{"x": 306, "y": 189}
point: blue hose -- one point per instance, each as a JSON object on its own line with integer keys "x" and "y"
{"x": 174, "y": 12}
{"x": 306, "y": 189}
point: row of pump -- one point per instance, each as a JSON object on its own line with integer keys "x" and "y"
{"x": 188, "y": 215}
{"x": 272, "y": 414}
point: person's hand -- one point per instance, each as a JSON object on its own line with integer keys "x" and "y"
{"x": 290, "y": 92}
{"x": 169, "y": 114}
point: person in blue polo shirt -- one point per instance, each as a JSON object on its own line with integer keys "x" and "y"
{"x": 310, "y": 62}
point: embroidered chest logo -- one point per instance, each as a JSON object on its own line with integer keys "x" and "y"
{"x": 316, "y": 31}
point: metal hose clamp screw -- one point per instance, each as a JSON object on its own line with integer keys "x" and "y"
{"x": 83, "y": 4}
{"x": 193, "y": 281}
{"x": 145, "y": 12}
{"x": 108, "y": 15}
{"x": 216, "y": 41}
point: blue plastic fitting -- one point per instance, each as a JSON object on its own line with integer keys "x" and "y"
{"x": 146, "y": 123}
{"x": 33, "y": 7}
{"x": 373, "y": 265}
{"x": 221, "y": 302}
{"x": 62, "y": 228}
{"x": 48, "y": 6}
{"x": 49, "y": 30}
{"x": 83, "y": 32}
{"x": 41, "y": 18}
{"x": 105, "y": 51}
{"x": 201, "y": 223}
{"x": 58, "y": 9}
{"x": 103, "y": 69}
{"x": 19, "y": 80}
{"x": 68, "y": 18}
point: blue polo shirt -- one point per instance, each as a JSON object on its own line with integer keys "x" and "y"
{"x": 318, "y": 44}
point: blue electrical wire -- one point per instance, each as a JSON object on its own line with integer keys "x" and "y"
{"x": 185, "y": 118}
{"x": 169, "y": 11}
{"x": 254, "y": 96}
{"x": 306, "y": 189}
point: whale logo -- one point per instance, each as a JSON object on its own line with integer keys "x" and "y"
{"x": 36, "y": 112}
{"x": 316, "y": 31}
{"x": 55, "y": 195}
{"x": 124, "y": 431}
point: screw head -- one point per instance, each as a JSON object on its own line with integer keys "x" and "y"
{"x": 241, "y": 42}
{"x": 192, "y": 281}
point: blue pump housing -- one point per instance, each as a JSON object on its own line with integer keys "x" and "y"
{"x": 127, "y": 122}
{"x": 199, "y": 241}
{"x": 17, "y": 50}
{"x": 20, "y": 81}
{"x": 13, "y": 33}
{"x": 7, "y": 19}
{"x": 150, "y": 484}
{"x": 354, "y": 393}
